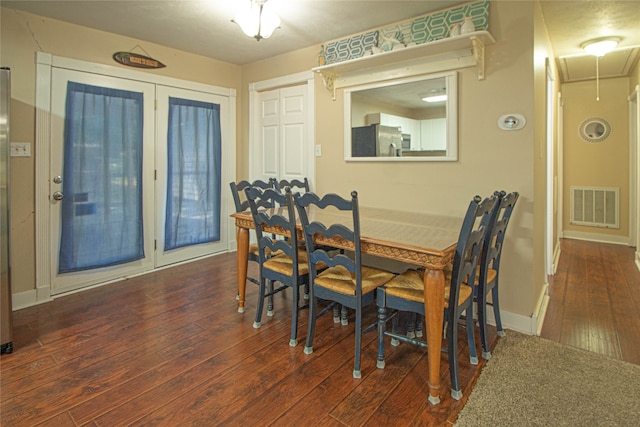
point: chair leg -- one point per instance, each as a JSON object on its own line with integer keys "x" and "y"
{"x": 419, "y": 325}
{"x": 344, "y": 316}
{"x": 293, "y": 341}
{"x": 358, "y": 331}
{"x": 452, "y": 350}
{"x": 473, "y": 356}
{"x": 336, "y": 314}
{"x": 311, "y": 327}
{"x": 496, "y": 308}
{"x": 394, "y": 328}
{"x": 257, "y": 322}
{"x": 482, "y": 324}
{"x": 270, "y": 300}
{"x": 411, "y": 324}
{"x": 382, "y": 320}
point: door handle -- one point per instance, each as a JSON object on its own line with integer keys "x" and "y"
{"x": 58, "y": 195}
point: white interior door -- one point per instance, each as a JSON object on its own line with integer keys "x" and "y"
{"x": 293, "y": 125}
{"x": 94, "y": 207}
{"x": 282, "y": 142}
{"x": 214, "y": 221}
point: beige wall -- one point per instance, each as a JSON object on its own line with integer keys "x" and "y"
{"x": 22, "y": 35}
{"x": 604, "y": 164}
{"x": 489, "y": 158}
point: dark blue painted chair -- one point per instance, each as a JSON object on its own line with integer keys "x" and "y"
{"x": 490, "y": 266}
{"x": 242, "y": 204}
{"x": 405, "y": 293}
{"x": 346, "y": 281}
{"x": 288, "y": 265}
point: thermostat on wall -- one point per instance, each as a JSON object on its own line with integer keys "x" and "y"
{"x": 511, "y": 122}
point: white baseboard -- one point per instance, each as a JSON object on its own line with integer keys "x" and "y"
{"x": 30, "y": 298}
{"x": 638, "y": 260}
{"x": 595, "y": 237}
{"x": 556, "y": 257}
{"x": 517, "y": 322}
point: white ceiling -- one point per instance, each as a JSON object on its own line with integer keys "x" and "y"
{"x": 204, "y": 27}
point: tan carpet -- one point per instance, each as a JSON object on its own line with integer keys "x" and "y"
{"x": 531, "y": 381}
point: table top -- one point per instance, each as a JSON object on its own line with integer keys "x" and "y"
{"x": 417, "y": 238}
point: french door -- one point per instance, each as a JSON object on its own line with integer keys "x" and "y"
{"x": 133, "y": 185}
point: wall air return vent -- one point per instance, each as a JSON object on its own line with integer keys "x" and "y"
{"x": 595, "y": 206}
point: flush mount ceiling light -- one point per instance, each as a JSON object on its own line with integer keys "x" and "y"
{"x": 435, "y": 96}
{"x": 257, "y": 21}
{"x": 600, "y": 47}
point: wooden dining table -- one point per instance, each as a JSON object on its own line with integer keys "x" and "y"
{"x": 419, "y": 239}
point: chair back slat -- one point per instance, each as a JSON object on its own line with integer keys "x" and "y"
{"x": 494, "y": 238}
{"x": 279, "y": 213}
{"x": 295, "y": 185}
{"x": 238, "y": 191}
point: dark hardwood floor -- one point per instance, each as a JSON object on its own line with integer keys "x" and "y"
{"x": 594, "y": 300}
{"x": 169, "y": 348}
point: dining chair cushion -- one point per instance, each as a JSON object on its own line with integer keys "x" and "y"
{"x": 410, "y": 286}
{"x": 284, "y": 264}
{"x": 341, "y": 280}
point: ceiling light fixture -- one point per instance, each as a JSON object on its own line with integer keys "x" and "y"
{"x": 600, "y": 47}
{"x": 256, "y": 20}
{"x": 435, "y": 96}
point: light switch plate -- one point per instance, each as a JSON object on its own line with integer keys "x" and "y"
{"x": 20, "y": 149}
{"x": 318, "y": 150}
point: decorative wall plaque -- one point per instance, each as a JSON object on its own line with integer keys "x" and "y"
{"x": 131, "y": 59}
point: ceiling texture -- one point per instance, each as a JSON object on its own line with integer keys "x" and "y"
{"x": 204, "y": 27}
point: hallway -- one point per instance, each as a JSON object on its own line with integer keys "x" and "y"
{"x": 594, "y": 300}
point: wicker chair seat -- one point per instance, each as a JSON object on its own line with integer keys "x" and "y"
{"x": 341, "y": 280}
{"x": 255, "y": 251}
{"x": 283, "y": 264}
{"x": 410, "y": 286}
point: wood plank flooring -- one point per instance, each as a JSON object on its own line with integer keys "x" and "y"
{"x": 169, "y": 348}
{"x": 594, "y": 300}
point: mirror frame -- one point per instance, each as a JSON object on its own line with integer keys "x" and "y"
{"x": 587, "y": 137}
{"x": 451, "y": 79}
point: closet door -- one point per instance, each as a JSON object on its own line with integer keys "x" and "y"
{"x": 190, "y": 180}
{"x": 101, "y": 188}
{"x": 281, "y": 146}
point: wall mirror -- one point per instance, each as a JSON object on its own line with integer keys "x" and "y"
{"x": 404, "y": 120}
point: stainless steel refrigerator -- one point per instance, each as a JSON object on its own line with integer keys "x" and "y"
{"x": 6, "y": 318}
{"x": 376, "y": 141}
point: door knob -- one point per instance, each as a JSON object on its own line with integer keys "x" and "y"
{"x": 57, "y": 179}
{"x": 58, "y": 195}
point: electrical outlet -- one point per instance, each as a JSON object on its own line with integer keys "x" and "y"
{"x": 318, "y": 150}
{"x": 20, "y": 149}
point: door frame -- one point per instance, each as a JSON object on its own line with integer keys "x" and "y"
{"x": 305, "y": 77}
{"x": 44, "y": 64}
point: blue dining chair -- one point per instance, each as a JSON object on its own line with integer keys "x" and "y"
{"x": 490, "y": 266}
{"x": 242, "y": 204}
{"x": 288, "y": 265}
{"x": 347, "y": 281}
{"x": 405, "y": 293}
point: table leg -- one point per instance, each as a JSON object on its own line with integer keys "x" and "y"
{"x": 242, "y": 239}
{"x": 434, "y": 309}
